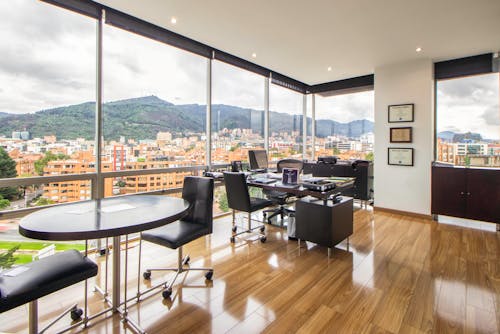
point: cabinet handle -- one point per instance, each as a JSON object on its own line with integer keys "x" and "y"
{"x": 468, "y": 193}
{"x": 461, "y": 193}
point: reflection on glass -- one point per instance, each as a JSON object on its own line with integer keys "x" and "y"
{"x": 237, "y": 113}
{"x": 47, "y": 101}
{"x": 154, "y": 111}
{"x": 344, "y": 125}
{"x": 468, "y": 121}
{"x": 285, "y": 123}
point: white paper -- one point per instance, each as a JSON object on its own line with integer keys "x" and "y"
{"x": 116, "y": 208}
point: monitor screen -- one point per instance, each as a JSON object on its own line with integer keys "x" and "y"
{"x": 290, "y": 176}
{"x": 258, "y": 159}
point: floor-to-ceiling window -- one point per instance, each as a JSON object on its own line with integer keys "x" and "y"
{"x": 285, "y": 123}
{"x": 47, "y": 109}
{"x": 468, "y": 121}
{"x": 344, "y": 125}
{"x": 237, "y": 113}
{"x": 154, "y": 111}
{"x": 47, "y": 99}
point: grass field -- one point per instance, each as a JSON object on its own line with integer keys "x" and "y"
{"x": 27, "y": 249}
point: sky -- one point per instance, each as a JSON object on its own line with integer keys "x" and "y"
{"x": 48, "y": 60}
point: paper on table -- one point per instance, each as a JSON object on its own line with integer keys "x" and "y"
{"x": 116, "y": 208}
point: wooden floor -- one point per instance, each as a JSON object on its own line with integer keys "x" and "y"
{"x": 399, "y": 275}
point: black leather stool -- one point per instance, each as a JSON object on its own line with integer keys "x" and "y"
{"x": 40, "y": 278}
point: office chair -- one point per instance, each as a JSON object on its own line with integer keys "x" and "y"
{"x": 43, "y": 277}
{"x": 239, "y": 199}
{"x": 281, "y": 198}
{"x": 198, "y": 222}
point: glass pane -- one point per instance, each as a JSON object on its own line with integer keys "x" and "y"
{"x": 468, "y": 121}
{"x": 344, "y": 125}
{"x": 47, "y": 99}
{"x": 285, "y": 123}
{"x": 237, "y": 113}
{"x": 154, "y": 111}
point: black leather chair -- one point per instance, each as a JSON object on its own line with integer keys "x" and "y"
{"x": 281, "y": 198}
{"x": 239, "y": 199}
{"x": 199, "y": 192}
{"x": 258, "y": 160}
{"x": 43, "y": 277}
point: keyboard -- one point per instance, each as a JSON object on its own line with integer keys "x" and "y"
{"x": 264, "y": 180}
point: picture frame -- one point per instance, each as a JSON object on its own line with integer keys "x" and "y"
{"x": 399, "y": 113}
{"x": 401, "y": 135}
{"x": 400, "y": 156}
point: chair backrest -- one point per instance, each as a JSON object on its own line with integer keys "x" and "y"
{"x": 258, "y": 159}
{"x": 238, "y": 197}
{"x": 199, "y": 192}
{"x": 289, "y": 163}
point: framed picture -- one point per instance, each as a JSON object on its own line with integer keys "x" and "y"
{"x": 401, "y": 113}
{"x": 401, "y": 135}
{"x": 400, "y": 156}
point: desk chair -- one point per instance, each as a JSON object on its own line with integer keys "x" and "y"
{"x": 239, "y": 199}
{"x": 281, "y": 198}
{"x": 258, "y": 160}
{"x": 199, "y": 192}
{"x": 41, "y": 278}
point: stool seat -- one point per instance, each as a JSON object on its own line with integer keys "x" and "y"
{"x": 176, "y": 234}
{"x": 43, "y": 277}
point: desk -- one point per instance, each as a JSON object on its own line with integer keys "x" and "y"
{"x": 344, "y": 183}
{"x": 108, "y": 217}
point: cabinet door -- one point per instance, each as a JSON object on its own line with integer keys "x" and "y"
{"x": 448, "y": 191}
{"x": 483, "y": 195}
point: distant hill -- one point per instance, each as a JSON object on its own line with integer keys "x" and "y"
{"x": 144, "y": 117}
{"x": 453, "y": 137}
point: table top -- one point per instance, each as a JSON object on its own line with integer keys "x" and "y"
{"x": 341, "y": 183}
{"x": 108, "y": 217}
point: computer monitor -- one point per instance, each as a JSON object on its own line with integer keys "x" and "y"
{"x": 258, "y": 159}
{"x": 290, "y": 176}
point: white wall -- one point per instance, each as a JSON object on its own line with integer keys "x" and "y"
{"x": 401, "y": 187}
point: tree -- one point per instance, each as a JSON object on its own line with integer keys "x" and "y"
{"x": 335, "y": 151}
{"x": 44, "y": 201}
{"x": 4, "y": 202}
{"x": 8, "y": 259}
{"x": 49, "y": 156}
{"x": 369, "y": 156}
{"x": 7, "y": 170}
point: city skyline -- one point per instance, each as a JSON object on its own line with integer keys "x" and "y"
{"x": 44, "y": 66}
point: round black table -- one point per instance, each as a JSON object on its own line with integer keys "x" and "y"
{"x": 103, "y": 218}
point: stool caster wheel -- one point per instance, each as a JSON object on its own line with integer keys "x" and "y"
{"x": 232, "y": 240}
{"x": 166, "y": 293}
{"x": 186, "y": 260}
{"x": 263, "y": 239}
{"x": 234, "y": 229}
{"x": 262, "y": 229}
{"x": 76, "y": 314}
{"x": 209, "y": 275}
{"x": 146, "y": 275}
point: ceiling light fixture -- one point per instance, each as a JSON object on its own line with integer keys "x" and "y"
{"x": 329, "y": 69}
{"x": 254, "y": 55}
{"x": 418, "y": 49}
{"x": 173, "y": 20}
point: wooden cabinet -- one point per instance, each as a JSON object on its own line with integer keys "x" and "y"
{"x": 472, "y": 193}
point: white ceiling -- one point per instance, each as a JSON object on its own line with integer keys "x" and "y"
{"x": 301, "y": 39}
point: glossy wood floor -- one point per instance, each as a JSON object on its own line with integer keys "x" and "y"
{"x": 399, "y": 275}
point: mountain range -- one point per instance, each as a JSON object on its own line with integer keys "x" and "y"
{"x": 144, "y": 117}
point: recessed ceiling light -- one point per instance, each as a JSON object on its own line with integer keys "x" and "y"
{"x": 329, "y": 69}
{"x": 173, "y": 20}
{"x": 254, "y": 55}
{"x": 419, "y": 49}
